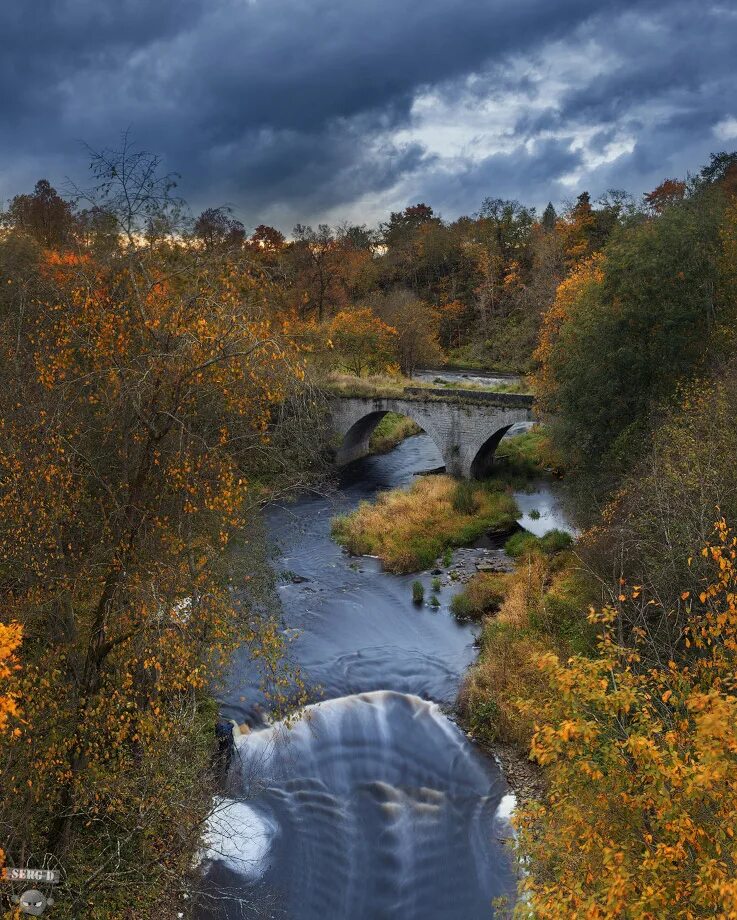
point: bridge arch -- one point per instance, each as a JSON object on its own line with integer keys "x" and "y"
{"x": 356, "y": 439}
{"x": 484, "y": 460}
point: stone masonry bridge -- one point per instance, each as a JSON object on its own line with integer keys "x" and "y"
{"x": 466, "y": 425}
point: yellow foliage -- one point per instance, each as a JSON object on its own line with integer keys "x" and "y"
{"x": 640, "y": 815}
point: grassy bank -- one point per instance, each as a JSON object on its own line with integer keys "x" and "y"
{"x": 408, "y": 529}
{"x": 392, "y": 430}
{"x": 543, "y": 609}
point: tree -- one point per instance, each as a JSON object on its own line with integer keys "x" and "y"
{"x": 416, "y": 324}
{"x": 43, "y": 215}
{"x": 216, "y": 228}
{"x": 267, "y": 239}
{"x": 362, "y": 341}
{"x": 667, "y": 193}
{"x": 403, "y": 225}
{"x": 627, "y": 326}
{"x": 639, "y": 816}
{"x": 317, "y": 269}
{"x": 140, "y": 387}
{"x": 549, "y": 217}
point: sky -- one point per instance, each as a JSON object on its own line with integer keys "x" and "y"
{"x": 330, "y": 110}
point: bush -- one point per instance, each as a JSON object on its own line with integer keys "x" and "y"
{"x": 483, "y": 594}
{"x": 460, "y": 606}
{"x": 524, "y": 543}
{"x": 434, "y": 601}
{"x": 418, "y": 592}
{"x": 521, "y": 543}
{"x": 436, "y": 585}
{"x": 556, "y": 541}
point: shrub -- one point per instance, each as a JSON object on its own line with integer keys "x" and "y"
{"x": 521, "y": 543}
{"x": 483, "y": 594}
{"x": 418, "y": 592}
{"x": 434, "y": 601}
{"x": 448, "y": 557}
{"x": 524, "y": 543}
{"x": 460, "y": 606}
{"x": 436, "y": 584}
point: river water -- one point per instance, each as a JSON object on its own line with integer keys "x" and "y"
{"x": 373, "y": 804}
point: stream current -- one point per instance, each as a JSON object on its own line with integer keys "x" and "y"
{"x": 373, "y": 804}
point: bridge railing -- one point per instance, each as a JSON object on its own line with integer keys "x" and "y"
{"x": 513, "y": 400}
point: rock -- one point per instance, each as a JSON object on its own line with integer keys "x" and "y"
{"x": 297, "y": 579}
{"x": 244, "y": 729}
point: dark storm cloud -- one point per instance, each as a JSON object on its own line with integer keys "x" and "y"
{"x": 290, "y": 108}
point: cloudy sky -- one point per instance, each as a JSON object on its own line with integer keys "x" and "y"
{"x": 328, "y": 109}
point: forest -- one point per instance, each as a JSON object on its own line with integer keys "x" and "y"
{"x": 165, "y": 379}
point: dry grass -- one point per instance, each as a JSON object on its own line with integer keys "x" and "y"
{"x": 544, "y": 609}
{"x": 373, "y": 385}
{"x": 408, "y": 529}
{"x": 505, "y": 669}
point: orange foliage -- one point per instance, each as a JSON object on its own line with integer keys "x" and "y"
{"x": 568, "y": 295}
{"x": 641, "y": 813}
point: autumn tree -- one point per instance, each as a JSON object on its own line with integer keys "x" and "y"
{"x": 667, "y": 193}
{"x": 640, "y": 813}
{"x": 362, "y": 341}
{"x": 141, "y": 391}
{"x": 44, "y": 215}
{"x": 416, "y": 324}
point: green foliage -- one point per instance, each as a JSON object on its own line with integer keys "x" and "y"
{"x": 434, "y": 601}
{"x": 436, "y": 584}
{"x": 391, "y": 431}
{"x": 629, "y": 334}
{"x": 464, "y": 497}
{"x": 418, "y": 592}
{"x": 524, "y": 543}
{"x": 483, "y": 594}
{"x": 448, "y": 557}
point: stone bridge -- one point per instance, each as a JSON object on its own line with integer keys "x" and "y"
{"x": 466, "y": 425}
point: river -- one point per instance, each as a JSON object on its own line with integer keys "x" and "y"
{"x": 374, "y": 804}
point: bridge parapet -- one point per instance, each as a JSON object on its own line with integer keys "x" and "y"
{"x": 518, "y": 400}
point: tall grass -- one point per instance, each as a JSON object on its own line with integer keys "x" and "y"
{"x": 543, "y": 610}
{"x": 408, "y": 529}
